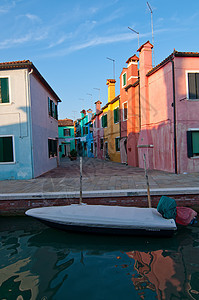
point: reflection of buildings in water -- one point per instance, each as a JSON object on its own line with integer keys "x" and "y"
{"x": 160, "y": 271}
{"x": 15, "y": 283}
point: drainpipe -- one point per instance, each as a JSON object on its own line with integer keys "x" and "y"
{"x": 174, "y": 114}
{"x": 30, "y": 120}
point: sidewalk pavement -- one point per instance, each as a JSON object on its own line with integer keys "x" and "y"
{"x": 100, "y": 177}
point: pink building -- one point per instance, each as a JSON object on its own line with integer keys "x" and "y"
{"x": 129, "y": 112}
{"x": 169, "y": 105}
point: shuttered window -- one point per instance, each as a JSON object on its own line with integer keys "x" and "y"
{"x": 116, "y": 115}
{"x": 193, "y": 85}
{"x": 124, "y": 79}
{"x": 117, "y": 144}
{"x": 104, "y": 121}
{"x": 125, "y": 111}
{"x": 6, "y": 149}
{"x": 52, "y": 148}
{"x": 192, "y": 143}
{"x": 52, "y": 109}
{"x": 4, "y": 90}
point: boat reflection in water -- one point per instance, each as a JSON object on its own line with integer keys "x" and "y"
{"x": 37, "y": 262}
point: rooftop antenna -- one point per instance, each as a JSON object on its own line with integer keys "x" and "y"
{"x": 74, "y": 114}
{"x": 99, "y": 92}
{"x": 113, "y": 66}
{"x": 152, "y": 31}
{"x": 91, "y": 99}
{"x": 137, "y": 35}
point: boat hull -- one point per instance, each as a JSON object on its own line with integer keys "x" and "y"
{"x": 98, "y": 219}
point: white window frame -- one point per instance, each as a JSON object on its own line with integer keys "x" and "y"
{"x": 13, "y": 149}
{"x": 9, "y": 88}
{"x": 123, "y": 111}
{"x": 123, "y": 79}
{"x": 51, "y": 157}
{"x": 193, "y": 129}
{"x": 187, "y": 83}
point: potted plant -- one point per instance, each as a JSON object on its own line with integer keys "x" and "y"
{"x": 73, "y": 154}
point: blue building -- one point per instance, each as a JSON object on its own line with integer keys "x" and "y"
{"x": 28, "y": 122}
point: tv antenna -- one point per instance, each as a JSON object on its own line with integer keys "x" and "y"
{"x": 113, "y": 66}
{"x": 152, "y": 31}
{"x": 137, "y": 35}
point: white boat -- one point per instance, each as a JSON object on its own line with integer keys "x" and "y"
{"x": 105, "y": 219}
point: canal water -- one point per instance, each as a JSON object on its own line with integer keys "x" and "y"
{"x": 37, "y": 262}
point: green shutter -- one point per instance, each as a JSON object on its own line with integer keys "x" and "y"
{"x": 195, "y": 142}
{"x": 4, "y": 90}
{"x": 6, "y": 149}
{"x": 124, "y": 79}
{"x": 56, "y": 112}
{"x": 189, "y": 144}
{"x": 192, "y": 85}
{"x": 197, "y": 85}
{"x": 48, "y": 105}
{"x": 116, "y": 115}
{"x": 105, "y": 121}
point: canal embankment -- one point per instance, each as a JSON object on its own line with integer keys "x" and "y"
{"x": 104, "y": 182}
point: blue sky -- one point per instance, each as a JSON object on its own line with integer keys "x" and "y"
{"x": 69, "y": 41}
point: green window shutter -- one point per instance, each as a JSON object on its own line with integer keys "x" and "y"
{"x": 56, "y": 112}
{"x": 116, "y": 115}
{"x": 195, "y": 142}
{"x": 189, "y": 144}
{"x": 192, "y": 85}
{"x": 197, "y": 85}
{"x": 48, "y": 105}
{"x": 124, "y": 79}
{"x": 6, "y": 149}
{"x": 4, "y": 90}
{"x": 105, "y": 121}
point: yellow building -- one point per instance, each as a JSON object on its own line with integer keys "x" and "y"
{"x": 111, "y": 124}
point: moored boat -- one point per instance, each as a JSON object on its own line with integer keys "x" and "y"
{"x": 104, "y": 219}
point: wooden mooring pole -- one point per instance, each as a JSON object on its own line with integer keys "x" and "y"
{"x": 80, "y": 198}
{"x": 147, "y": 182}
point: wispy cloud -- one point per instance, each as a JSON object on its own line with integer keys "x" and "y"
{"x": 32, "y": 17}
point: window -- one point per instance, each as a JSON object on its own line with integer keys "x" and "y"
{"x": 67, "y": 132}
{"x": 52, "y": 109}
{"x": 193, "y": 85}
{"x": 125, "y": 111}
{"x": 4, "y": 90}
{"x": 116, "y": 115}
{"x": 85, "y": 130}
{"x": 101, "y": 144}
{"x": 91, "y": 147}
{"x": 124, "y": 79}
{"x": 6, "y": 149}
{"x": 117, "y": 144}
{"x": 52, "y": 148}
{"x": 193, "y": 143}
{"x": 104, "y": 121}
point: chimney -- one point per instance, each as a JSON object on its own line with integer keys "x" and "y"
{"x": 132, "y": 69}
{"x": 89, "y": 112}
{"x": 111, "y": 89}
{"x": 98, "y": 106}
{"x": 83, "y": 113}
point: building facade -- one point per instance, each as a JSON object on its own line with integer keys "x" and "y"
{"x": 66, "y": 137}
{"x": 28, "y": 122}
